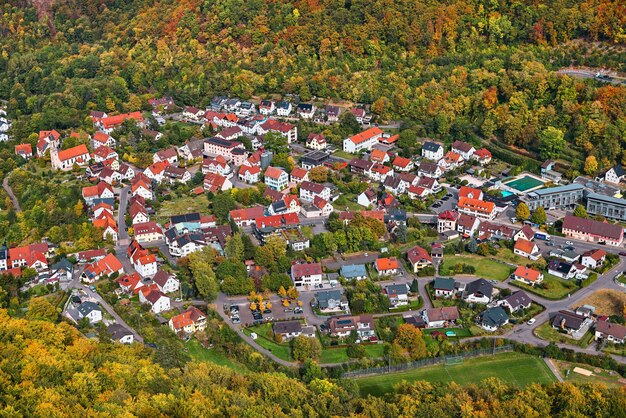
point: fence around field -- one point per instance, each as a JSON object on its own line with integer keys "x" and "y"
{"x": 448, "y": 360}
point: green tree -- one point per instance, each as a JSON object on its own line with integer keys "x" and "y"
{"x": 235, "y": 247}
{"x": 522, "y": 212}
{"x": 303, "y": 348}
{"x": 581, "y": 212}
{"x": 539, "y": 216}
{"x": 551, "y": 142}
{"x": 40, "y": 309}
{"x": 222, "y": 204}
{"x": 591, "y": 165}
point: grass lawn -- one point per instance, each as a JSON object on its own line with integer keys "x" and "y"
{"x": 529, "y": 313}
{"x": 460, "y": 332}
{"x": 184, "y": 204}
{"x": 514, "y": 368}
{"x": 343, "y": 154}
{"x": 546, "y": 332}
{"x": 338, "y": 355}
{"x": 413, "y": 304}
{"x": 556, "y": 288}
{"x": 201, "y": 354}
{"x": 485, "y": 267}
{"x": 347, "y": 201}
{"x": 609, "y": 378}
{"x": 265, "y": 340}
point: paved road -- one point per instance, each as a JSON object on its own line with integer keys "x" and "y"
{"x": 555, "y": 372}
{"x": 7, "y": 188}
{"x": 76, "y": 284}
{"x": 121, "y": 216}
{"x": 589, "y": 74}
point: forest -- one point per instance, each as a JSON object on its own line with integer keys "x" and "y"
{"x": 479, "y": 70}
{"x": 50, "y": 370}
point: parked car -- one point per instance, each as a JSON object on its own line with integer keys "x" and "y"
{"x": 267, "y": 311}
{"x": 569, "y": 243}
{"x": 531, "y": 321}
{"x": 622, "y": 253}
{"x": 298, "y": 310}
{"x": 288, "y": 310}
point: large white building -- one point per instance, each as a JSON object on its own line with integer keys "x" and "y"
{"x": 362, "y": 141}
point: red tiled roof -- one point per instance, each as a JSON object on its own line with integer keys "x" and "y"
{"x": 401, "y": 162}
{"x": 306, "y": 269}
{"x": 383, "y": 264}
{"x": 471, "y": 192}
{"x": 477, "y": 205}
{"x": 77, "y": 151}
{"x": 527, "y": 273}
{"x": 524, "y": 246}
{"x": 366, "y": 135}
{"x": 417, "y": 254}
{"x": 273, "y": 172}
{"x": 112, "y": 121}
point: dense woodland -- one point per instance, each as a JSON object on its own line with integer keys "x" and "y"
{"x": 51, "y": 370}
{"x": 458, "y": 69}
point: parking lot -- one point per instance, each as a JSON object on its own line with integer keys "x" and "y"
{"x": 278, "y": 311}
{"x": 448, "y": 202}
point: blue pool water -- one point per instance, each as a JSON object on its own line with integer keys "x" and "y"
{"x": 506, "y": 193}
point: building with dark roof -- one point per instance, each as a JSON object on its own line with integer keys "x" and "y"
{"x": 493, "y": 318}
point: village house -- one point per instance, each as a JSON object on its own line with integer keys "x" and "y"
{"x": 217, "y": 165}
{"x": 466, "y": 150}
{"x": 217, "y": 146}
{"x": 288, "y": 330}
{"x": 250, "y": 175}
{"x": 401, "y": 164}
{"x": 446, "y": 221}
{"x": 615, "y": 174}
{"x": 516, "y": 301}
{"x": 189, "y": 322}
{"x": 104, "y": 153}
{"x": 525, "y": 233}
{"x": 359, "y": 166}
{"x": 91, "y": 311}
{"x": 467, "y": 225}
{"x": 120, "y": 334}
{"x": 450, "y": 161}
{"x": 379, "y": 156}
{"x": 493, "y": 318}
{"x": 418, "y": 258}
{"x": 156, "y": 171}
{"x": 482, "y": 156}
{"x": 367, "y": 198}
{"x": 266, "y": 107}
{"x": 62, "y": 271}
{"x": 166, "y": 282}
{"x": 398, "y": 294}
{"x": 24, "y": 150}
{"x": 331, "y": 301}
{"x": 98, "y": 193}
{"x": 102, "y": 268}
{"x": 478, "y": 291}
{"x": 441, "y": 317}
{"x": 527, "y": 275}
{"x": 158, "y": 301}
{"x": 566, "y": 270}
{"x": 306, "y": 274}
{"x": 309, "y": 191}
{"x": 140, "y": 187}
{"x": 30, "y": 256}
{"x": 428, "y": 169}
{"x": 147, "y": 232}
{"x": 283, "y": 108}
{"x": 379, "y": 172}
{"x": 569, "y": 322}
{"x": 525, "y": 248}
{"x": 246, "y": 216}
{"x": 316, "y": 141}
{"x": 593, "y": 259}
{"x": 610, "y": 332}
{"x": 342, "y": 326}
{"x": 432, "y": 151}
{"x": 170, "y": 155}
{"x": 387, "y": 266}
{"x": 215, "y": 183}
{"x": 173, "y": 175}
{"x": 353, "y": 272}
{"x": 305, "y": 110}
{"x": 276, "y": 178}
{"x": 287, "y": 130}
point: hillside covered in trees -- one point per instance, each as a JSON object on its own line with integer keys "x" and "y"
{"x": 52, "y": 370}
{"x": 462, "y": 69}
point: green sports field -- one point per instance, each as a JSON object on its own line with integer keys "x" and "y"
{"x": 524, "y": 183}
{"x": 514, "y": 368}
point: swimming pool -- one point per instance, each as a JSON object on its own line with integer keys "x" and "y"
{"x": 524, "y": 183}
{"x": 506, "y": 193}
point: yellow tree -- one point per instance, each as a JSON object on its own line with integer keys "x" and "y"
{"x": 282, "y": 292}
{"x": 252, "y": 296}
{"x": 253, "y": 306}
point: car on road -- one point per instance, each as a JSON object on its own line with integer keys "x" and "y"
{"x": 298, "y": 310}
{"x": 531, "y": 321}
{"x": 266, "y": 311}
{"x": 494, "y": 281}
{"x": 93, "y": 288}
{"x": 569, "y": 243}
{"x": 287, "y": 310}
{"x": 622, "y": 253}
